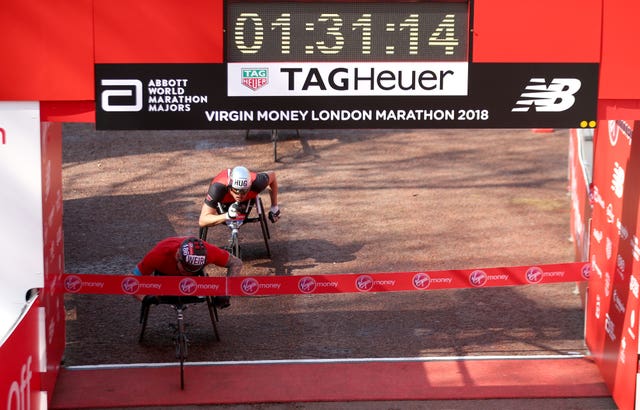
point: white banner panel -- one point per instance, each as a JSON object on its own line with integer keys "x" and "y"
{"x": 21, "y": 237}
{"x": 347, "y": 79}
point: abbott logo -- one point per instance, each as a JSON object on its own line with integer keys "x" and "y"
{"x": 121, "y": 88}
{"x": 554, "y": 97}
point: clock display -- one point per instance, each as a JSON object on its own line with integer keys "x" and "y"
{"x": 346, "y": 32}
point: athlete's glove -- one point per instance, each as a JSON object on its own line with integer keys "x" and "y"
{"x": 233, "y": 211}
{"x": 274, "y": 214}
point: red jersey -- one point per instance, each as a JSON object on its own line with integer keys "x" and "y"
{"x": 162, "y": 258}
{"x": 219, "y": 188}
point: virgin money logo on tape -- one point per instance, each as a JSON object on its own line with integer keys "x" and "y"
{"x": 478, "y": 278}
{"x": 364, "y": 283}
{"x": 307, "y": 284}
{"x": 188, "y": 286}
{"x": 249, "y": 286}
{"x": 130, "y": 285}
{"x": 421, "y": 281}
{"x": 534, "y": 275}
{"x": 72, "y": 283}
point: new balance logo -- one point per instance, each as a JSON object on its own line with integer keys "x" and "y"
{"x": 555, "y": 97}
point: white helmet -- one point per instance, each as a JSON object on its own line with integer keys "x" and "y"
{"x": 240, "y": 178}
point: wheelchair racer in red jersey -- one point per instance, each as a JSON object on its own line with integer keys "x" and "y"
{"x": 231, "y": 189}
{"x": 187, "y": 256}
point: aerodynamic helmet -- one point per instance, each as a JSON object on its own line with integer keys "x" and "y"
{"x": 192, "y": 254}
{"x": 240, "y": 179}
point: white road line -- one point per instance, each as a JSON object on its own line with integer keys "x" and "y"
{"x": 322, "y": 361}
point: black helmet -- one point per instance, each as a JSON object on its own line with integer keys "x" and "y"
{"x": 192, "y": 254}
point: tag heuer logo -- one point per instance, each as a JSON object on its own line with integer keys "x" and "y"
{"x": 255, "y": 78}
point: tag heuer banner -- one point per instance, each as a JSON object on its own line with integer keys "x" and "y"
{"x": 345, "y": 95}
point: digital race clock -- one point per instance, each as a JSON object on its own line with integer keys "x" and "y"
{"x": 346, "y": 32}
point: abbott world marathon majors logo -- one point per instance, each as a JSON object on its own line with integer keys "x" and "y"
{"x": 162, "y": 95}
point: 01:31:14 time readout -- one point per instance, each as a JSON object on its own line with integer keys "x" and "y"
{"x": 346, "y": 32}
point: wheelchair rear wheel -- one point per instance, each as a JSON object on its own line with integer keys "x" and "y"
{"x": 181, "y": 346}
{"x": 264, "y": 227}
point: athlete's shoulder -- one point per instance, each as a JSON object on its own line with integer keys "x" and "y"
{"x": 222, "y": 177}
{"x": 260, "y": 181}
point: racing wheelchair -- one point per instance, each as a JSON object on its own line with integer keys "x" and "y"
{"x": 252, "y": 211}
{"x": 179, "y": 304}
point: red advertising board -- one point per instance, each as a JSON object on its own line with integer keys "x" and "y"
{"x": 580, "y": 173}
{"x": 612, "y": 305}
{"x": 51, "y": 296}
{"x": 20, "y": 358}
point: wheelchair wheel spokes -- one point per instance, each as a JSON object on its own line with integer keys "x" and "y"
{"x": 234, "y": 245}
{"x": 263, "y": 226}
{"x": 181, "y": 352}
{"x": 180, "y": 339}
{"x": 265, "y": 234}
{"x": 181, "y": 345}
{"x": 263, "y": 220}
{"x": 144, "y": 315}
{"x": 202, "y": 233}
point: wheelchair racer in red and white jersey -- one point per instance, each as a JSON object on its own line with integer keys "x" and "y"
{"x": 186, "y": 256}
{"x": 231, "y": 189}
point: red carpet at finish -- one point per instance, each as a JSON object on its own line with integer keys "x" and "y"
{"x": 342, "y": 381}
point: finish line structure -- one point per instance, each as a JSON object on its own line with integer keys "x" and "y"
{"x": 325, "y": 284}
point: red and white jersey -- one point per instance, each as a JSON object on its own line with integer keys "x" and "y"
{"x": 219, "y": 188}
{"x": 162, "y": 259}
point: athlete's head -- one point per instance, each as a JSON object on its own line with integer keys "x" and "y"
{"x": 192, "y": 254}
{"x": 239, "y": 181}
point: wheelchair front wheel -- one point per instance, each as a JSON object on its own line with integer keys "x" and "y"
{"x": 234, "y": 246}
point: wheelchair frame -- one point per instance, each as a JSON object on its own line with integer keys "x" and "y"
{"x": 179, "y": 304}
{"x": 234, "y": 225}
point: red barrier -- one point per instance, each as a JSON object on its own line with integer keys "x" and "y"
{"x": 320, "y": 284}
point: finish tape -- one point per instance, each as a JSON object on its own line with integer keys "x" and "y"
{"x": 323, "y": 284}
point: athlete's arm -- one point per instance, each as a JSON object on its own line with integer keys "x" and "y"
{"x": 273, "y": 189}
{"x": 209, "y": 214}
{"x": 234, "y": 266}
